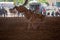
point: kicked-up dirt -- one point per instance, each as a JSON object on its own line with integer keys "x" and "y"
{"x": 16, "y": 28}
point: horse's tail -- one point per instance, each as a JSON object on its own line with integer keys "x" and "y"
{"x": 25, "y": 3}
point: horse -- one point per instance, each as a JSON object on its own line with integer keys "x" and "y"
{"x": 30, "y": 15}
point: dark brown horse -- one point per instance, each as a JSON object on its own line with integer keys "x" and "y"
{"x": 30, "y": 15}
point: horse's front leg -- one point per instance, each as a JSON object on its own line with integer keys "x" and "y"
{"x": 29, "y": 25}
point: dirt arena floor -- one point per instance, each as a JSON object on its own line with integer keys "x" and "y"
{"x": 15, "y": 28}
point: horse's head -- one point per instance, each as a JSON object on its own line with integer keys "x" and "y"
{"x": 20, "y": 8}
{"x": 13, "y": 10}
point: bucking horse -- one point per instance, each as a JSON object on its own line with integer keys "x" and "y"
{"x": 29, "y": 15}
